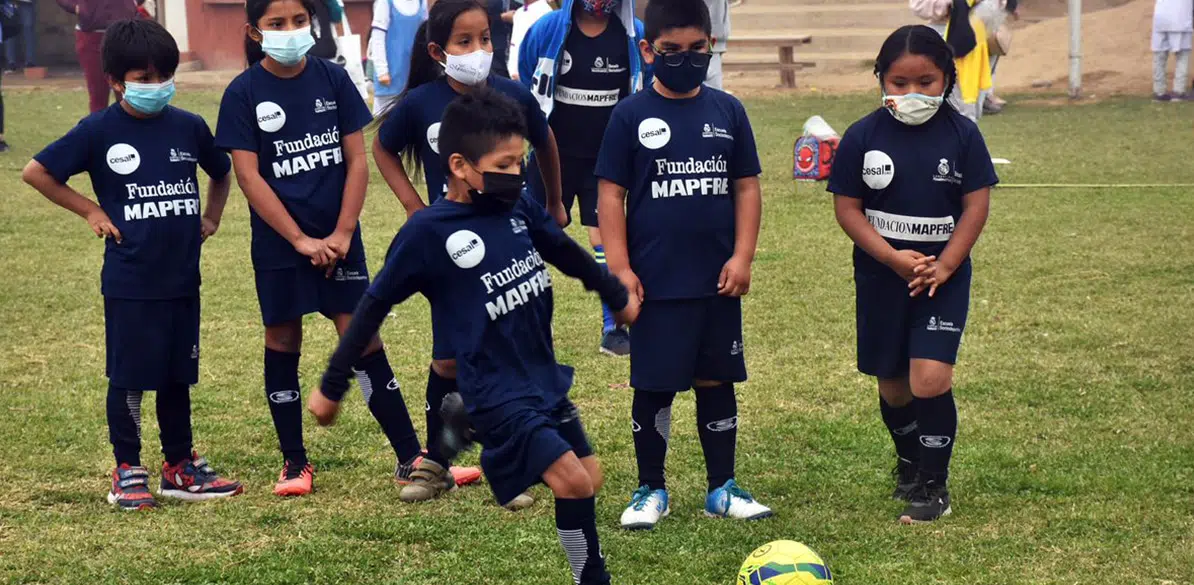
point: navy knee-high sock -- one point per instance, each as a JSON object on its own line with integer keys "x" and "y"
{"x": 717, "y": 425}
{"x": 174, "y": 422}
{"x": 938, "y": 421}
{"x": 905, "y": 432}
{"x": 576, "y": 525}
{"x": 384, "y": 398}
{"x": 285, "y": 403}
{"x": 651, "y": 421}
{"x": 607, "y": 316}
{"x": 124, "y": 424}
{"x": 438, "y": 387}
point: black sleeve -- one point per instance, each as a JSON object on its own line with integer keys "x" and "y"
{"x": 366, "y": 321}
{"x": 561, "y": 251}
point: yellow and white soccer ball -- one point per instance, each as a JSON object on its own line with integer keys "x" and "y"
{"x": 784, "y": 562}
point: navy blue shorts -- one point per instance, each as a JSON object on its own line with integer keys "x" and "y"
{"x": 520, "y": 445}
{"x": 152, "y": 345}
{"x": 677, "y": 341}
{"x": 286, "y": 294}
{"x": 894, "y": 328}
{"x": 578, "y": 183}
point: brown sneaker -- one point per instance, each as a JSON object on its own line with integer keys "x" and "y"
{"x": 428, "y": 481}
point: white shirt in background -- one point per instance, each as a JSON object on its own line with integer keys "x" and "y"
{"x": 523, "y": 19}
{"x": 1173, "y": 16}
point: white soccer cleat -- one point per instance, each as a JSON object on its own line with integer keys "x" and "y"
{"x": 731, "y": 501}
{"x": 646, "y": 508}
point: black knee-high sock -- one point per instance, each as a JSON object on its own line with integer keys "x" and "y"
{"x": 285, "y": 403}
{"x": 438, "y": 387}
{"x": 576, "y": 525}
{"x": 901, "y": 423}
{"x": 124, "y": 424}
{"x": 174, "y": 422}
{"x": 651, "y": 421}
{"x": 938, "y": 421}
{"x": 384, "y": 398}
{"x": 717, "y": 424}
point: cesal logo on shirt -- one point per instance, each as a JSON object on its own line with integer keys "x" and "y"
{"x": 123, "y": 159}
{"x": 566, "y": 66}
{"x": 270, "y": 117}
{"x": 465, "y": 248}
{"x": 654, "y": 133}
{"x": 877, "y": 169}
{"x": 433, "y": 137}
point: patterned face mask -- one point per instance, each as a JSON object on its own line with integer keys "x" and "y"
{"x": 600, "y": 6}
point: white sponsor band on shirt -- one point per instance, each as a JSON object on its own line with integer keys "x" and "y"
{"x": 909, "y": 228}
{"x": 589, "y": 98}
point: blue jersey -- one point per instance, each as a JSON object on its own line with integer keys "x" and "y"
{"x": 295, "y": 127}
{"x": 911, "y": 179}
{"x": 415, "y": 121}
{"x": 143, "y": 175}
{"x": 489, "y": 271}
{"x": 594, "y": 76}
{"x": 678, "y": 161}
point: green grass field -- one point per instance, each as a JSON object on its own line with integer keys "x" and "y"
{"x": 1075, "y": 388}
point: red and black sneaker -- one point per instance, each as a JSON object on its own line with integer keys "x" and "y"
{"x": 130, "y": 489}
{"x": 192, "y": 479}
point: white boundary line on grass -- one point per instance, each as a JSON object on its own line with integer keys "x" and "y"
{"x": 1093, "y": 185}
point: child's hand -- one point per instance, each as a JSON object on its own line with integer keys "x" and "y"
{"x": 924, "y": 278}
{"x": 631, "y": 282}
{"x": 735, "y": 277}
{"x": 324, "y": 409}
{"x": 339, "y": 243}
{"x": 316, "y": 250}
{"x": 208, "y": 228}
{"x": 941, "y": 275}
{"x": 904, "y": 262}
{"x": 629, "y": 314}
{"x": 102, "y": 225}
{"x": 384, "y": 79}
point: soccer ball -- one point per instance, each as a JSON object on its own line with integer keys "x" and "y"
{"x": 784, "y": 562}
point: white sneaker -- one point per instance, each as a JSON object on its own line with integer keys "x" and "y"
{"x": 646, "y": 508}
{"x": 731, "y": 501}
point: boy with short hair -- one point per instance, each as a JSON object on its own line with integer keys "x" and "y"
{"x": 141, "y": 155}
{"x": 679, "y": 210}
{"x": 483, "y": 248}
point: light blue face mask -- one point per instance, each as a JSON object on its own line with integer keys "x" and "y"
{"x": 287, "y": 47}
{"x": 149, "y": 98}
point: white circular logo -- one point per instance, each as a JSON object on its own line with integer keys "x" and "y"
{"x": 566, "y": 66}
{"x": 943, "y": 167}
{"x": 465, "y": 248}
{"x": 433, "y": 137}
{"x": 407, "y": 7}
{"x": 123, "y": 159}
{"x": 654, "y": 133}
{"x": 877, "y": 169}
{"x": 270, "y": 117}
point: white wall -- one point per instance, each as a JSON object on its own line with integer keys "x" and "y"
{"x": 176, "y": 22}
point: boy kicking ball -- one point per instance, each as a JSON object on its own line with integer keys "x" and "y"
{"x": 141, "y": 155}
{"x": 483, "y": 248}
{"x": 679, "y": 210}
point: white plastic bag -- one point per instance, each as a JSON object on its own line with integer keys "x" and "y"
{"x": 348, "y": 54}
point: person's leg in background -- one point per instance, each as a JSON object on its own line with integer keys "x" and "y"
{"x": 992, "y": 104}
{"x": 714, "y": 78}
{"x": 1181, "y": 76}
{"x": 1160, "y": 60}
{"x": 3, "y": 143}
{"x": 28, "y": 16}
{"x": 87, "y": 47}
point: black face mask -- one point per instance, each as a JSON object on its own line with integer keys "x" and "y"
{"x": 499, "y": 191}
{"x": 682, "y": 72}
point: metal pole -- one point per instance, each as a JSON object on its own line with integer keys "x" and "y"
{"x": 1075, "y": 48}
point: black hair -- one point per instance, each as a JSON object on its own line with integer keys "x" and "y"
{"x": 423, "y": 69}
{"x": 665, "y": 15}
{"x": 254, "y": 10}
{"x": 138, "y": 44}
{"x": 918, "y": 39}
{"x": 474, "y": 123}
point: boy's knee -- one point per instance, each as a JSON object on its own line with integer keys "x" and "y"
{"x": 930, "y": 378}
{"x": 287, "y": 337}
{"x": 575, "y": 486}
{"x": 445, "y": 368}
{"x": 703, "y": 384}
{"x": 596, "y": 476}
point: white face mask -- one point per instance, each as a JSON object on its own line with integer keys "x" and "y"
{"x": 471, "y": 69}
{"x": 912, "y": 109}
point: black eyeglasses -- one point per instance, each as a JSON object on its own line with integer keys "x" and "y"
{"x": 676, "y": 58}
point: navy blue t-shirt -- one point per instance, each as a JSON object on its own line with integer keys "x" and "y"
{"x": 678, "y": 160}
{"x": 415, "y": 120}
{"x": 594, "y": 76}
{"x": 911, "y": 179}
{"x": 143, "y": 175}
{"x": 489, "y": 272}
{"x": 295, "y": 126}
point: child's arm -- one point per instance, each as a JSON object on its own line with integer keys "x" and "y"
{"x": 38, "y": 177}
{"x": 906, "y": 263}
{"x": 354, "y": 194}
{"x": 265, "y": 202}
{"x": 213, "y": 210}
{"x": 748, "y": 212}
{"x": 975, "y": 208}
{"x": 395, "y": 176}
{"x": 548, "y": 155}
{"x": 611, "y": 219}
